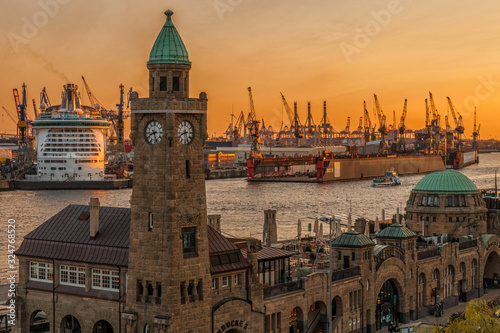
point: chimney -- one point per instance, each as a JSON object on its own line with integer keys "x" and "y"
{"x": 270, "y": 232}
{"x": 214, "y": 222}
{"x": 94, "y": 217}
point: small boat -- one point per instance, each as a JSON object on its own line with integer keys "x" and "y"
{"x": 390, "y": 178}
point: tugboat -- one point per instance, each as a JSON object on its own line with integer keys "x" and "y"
{"x": 390, "y": 179}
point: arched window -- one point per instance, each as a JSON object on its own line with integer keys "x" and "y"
{"x": 421, "y": 290}
{"x": 70, "y": 325}
{"x": 435, "y": 274}
{"x": 474, "y": 273}
{"x": 449, "y": 279}
{"x": 147, "y": 329}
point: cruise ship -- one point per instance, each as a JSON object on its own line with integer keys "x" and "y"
{"x": 70, "y": 140}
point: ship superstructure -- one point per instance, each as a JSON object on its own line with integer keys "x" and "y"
{"x": 70, "y": 140}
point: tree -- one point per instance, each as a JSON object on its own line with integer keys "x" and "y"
{"x": 478, "y": 317}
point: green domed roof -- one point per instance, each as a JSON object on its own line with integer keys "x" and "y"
{"x": 396, "y": 230}
{"x": 352, "y": 239}
{"x": 168, "y": 47}
{"x": 447, "y": 181}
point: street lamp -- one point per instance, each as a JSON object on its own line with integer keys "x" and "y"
{"x": 330, "y": 221}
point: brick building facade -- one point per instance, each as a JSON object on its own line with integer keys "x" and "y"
{"x": 158, "y": 267}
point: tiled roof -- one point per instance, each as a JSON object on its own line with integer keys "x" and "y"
{"x": 396, "y": 230}
{"x": 65, "y": 237}
{"x": 224, "y": 255}
{"x": 352, "y": 239}
{"x": 447, "y": 181}
{"x": 268, "y": 253}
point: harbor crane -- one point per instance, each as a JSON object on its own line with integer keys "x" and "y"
{"x": 459, "y": 128}
{"x": 44, "y": 98}
{"x": 475, "y": 132}
{"x": 309, "y": 126}
{"x": 368, "y": 123}
{"x": 382, "y": 121}
{"x": 287, "y": 109}
{"x": 239, "y": 124}
{"x": 253, "y": 125}
{"x": 402, "y": 128}
{"x": 325, "y": 128}
{"x": 10, "y": 115}
{"x": 347, "y": 131}
{"x": 25, "y": 138}
{"x": 296, "y": 127}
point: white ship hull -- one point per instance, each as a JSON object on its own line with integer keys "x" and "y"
{"x": 70, "y": 141}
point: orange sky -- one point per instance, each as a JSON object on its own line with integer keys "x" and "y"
{"x": 338, "y": 51}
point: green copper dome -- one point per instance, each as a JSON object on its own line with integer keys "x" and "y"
{"x": 396, "y": 231}
{"x": 447, "y": 181}
{"x": 168, "y": 47}
{"x": 352, "y": 239}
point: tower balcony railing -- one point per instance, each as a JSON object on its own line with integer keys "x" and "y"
{"x": 283, "y": 288}
{"x": 346, "y": 273}
{"x": 467, "y": 244}
{"x": 429, "y": 253}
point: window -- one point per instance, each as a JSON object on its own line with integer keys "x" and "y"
{"x": 140, "y": 291}
{"x": 41, "y": 271}
{"x": 429, "y": 201}
{"x": 237, "y": 279}
{"x": 435, "y": 201}
{"x": 450, "y": 201}
{"x": 175, "y": 83}
{"x": 225, "y": 281}
{"x": 152, "y": 83}
{"x": 163, "y": 83}
{"x": 433, "y": 219}
{"x": 72, "y": 275}
{"x": 463, "y": 200}
{"x": 189, "y": 240}
{"x": 105, "y": 279}
{"x": 188, "y": 169}
{"x": 423, "y": 200}
{"x": 340, "y": 255}
{"x": 158, "y": 293}
{"x": 353, "y": 256}
{"x": 214, "y": 283}
{"x": 457, "y": 201}
{"x": 150, "y": 226}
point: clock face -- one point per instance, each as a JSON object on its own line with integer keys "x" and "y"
{"x": 185, "y": 132}
{"x": 154, "y": 132}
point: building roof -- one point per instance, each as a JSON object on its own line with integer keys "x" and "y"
{"x": 378, "y": 248}
{"x": 168, "y": 47}
{"x": 396, "y": 230}
{"x": 447, "y": 181}
{"x": 268, "y": 253}
{"x": 67, "y": 237}
{"x": 352, "y": 239}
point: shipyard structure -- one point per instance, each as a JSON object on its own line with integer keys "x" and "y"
{"x": 163, "y": 265}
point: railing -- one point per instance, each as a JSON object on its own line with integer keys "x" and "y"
{"x": 346, "y": 273}
{"x": 313, "y": 323}
{"x": 433, "y": 252}
{"x": 282, "y": 288}
{"x": 467, "y": 244}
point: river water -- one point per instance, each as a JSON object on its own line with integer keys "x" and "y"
{"x": 240, "y": 204}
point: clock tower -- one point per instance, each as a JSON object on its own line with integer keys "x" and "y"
{"x": 169, "y": 268}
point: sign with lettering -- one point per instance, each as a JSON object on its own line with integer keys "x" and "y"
{"x": 233, "y": 324}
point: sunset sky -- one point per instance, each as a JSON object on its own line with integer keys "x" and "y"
{"x": 338, "y": 51}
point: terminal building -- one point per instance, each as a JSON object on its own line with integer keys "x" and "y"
{"x": 163, "y": 265}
